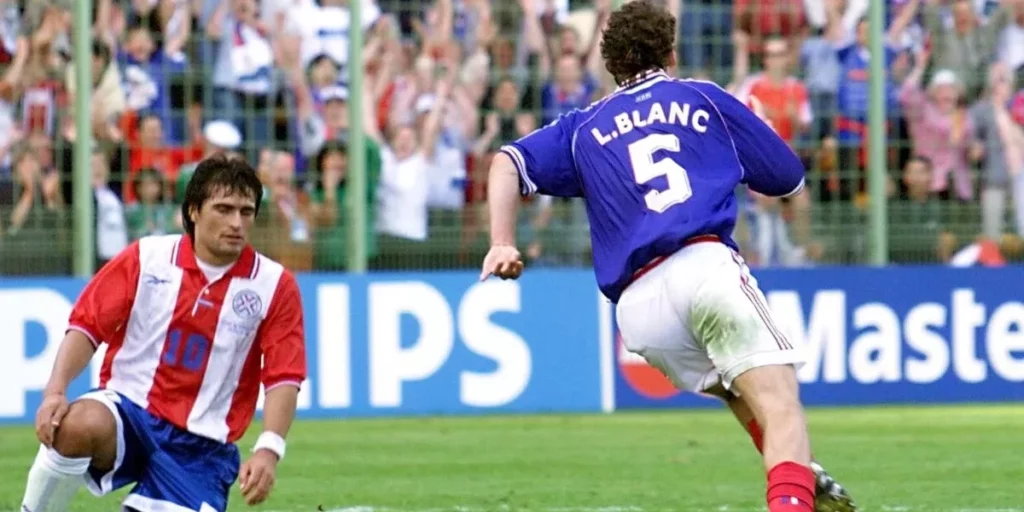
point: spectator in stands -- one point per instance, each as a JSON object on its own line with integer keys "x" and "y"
{"x": 704, "y": 42}
{"x": 243, "y": 71}
{"x": 1011, "y": 41}
{"x": 219, "y": 136}
{"x": 968, "y": 45}
{"x": 568, "y": 90}
{"x": 151, "y": 213}
{"x": 404, "y": 186}
{"x": 330, "y": 250}
{"x": 783, "y": 96}
{"x": 513, "y": 65}
{"x": 283, "y": 229}
{"x": 757, "y": 20}
{"x": 322, "y": 114}
{"x": 111, "y": 229}
{"x": 447, "y": 177}
{"x": 108, "y": 100}
{"x": 149, "y": 151}
{"x": 852, "y": 95}
{"x": 1003, "y": 144}
{"x": 36, "y": 240}
{"x": 10, "y": 25}
{"x": 940, "y": 128}
{"x": 148, "y": 72}
{"x": 324, "y": 74}
{"x": 326, "y": 28}
{"x": 820, "y": 63}
{"x": 917, "y": 233}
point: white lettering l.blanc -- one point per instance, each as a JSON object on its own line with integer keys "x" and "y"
{"x": 658, "y": 113}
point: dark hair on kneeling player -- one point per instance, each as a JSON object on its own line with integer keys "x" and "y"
{"x": 640, "y": 37}
{"x": 219, "y": 172}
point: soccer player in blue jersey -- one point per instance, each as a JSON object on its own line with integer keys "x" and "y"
{"x": 658, "y": 163}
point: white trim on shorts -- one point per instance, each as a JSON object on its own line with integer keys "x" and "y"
{"x": 109, "y": 399}
{"x": 147, "y": 504}
{"x": 788, "y": 356}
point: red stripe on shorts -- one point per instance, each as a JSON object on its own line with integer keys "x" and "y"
{"x": 762, "y": 309}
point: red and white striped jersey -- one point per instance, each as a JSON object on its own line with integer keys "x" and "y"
{"x": 191, "y": 351}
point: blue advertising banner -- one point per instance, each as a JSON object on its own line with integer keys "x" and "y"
{"x": 379, "y": 345}
{"x": 443, "y": 343}
{"x": 875, "y": 336}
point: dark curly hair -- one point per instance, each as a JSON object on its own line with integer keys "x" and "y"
{"x": 640, "y": 37}
{"x": 232, "y": 175}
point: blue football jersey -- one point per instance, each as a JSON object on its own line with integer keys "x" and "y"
{"x": 657, "y": 163}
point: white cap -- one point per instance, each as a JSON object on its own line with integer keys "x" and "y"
{"x": 944, "y": 77}
{"x": 424, "y": 104}
{"x": 334, "y": 92}
{"x": 222, "y": 134}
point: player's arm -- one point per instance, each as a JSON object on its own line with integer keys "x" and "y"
{"x": 100, "y": 311}
{"x": 539, "y": 162}
{"x": 770, "y": 167}
{"x": 503, "y": 199}
{"x": 283, "y": 342}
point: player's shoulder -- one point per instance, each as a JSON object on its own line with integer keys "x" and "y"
{"x": 158, "y": 247}
{"x": 706, "y": 88}
{"x": 271, "y": 275}
{"x": 268, "y": 267}
{"x": 578, "y": 116}
{"x": 710, "y": 93}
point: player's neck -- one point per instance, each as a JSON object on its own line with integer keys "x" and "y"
{"x": 640, "y": 77}
{"x": 205, "y": 256}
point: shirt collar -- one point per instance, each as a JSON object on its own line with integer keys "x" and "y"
{"x": 641, "y": 78}
{"x": 246, "y": 266}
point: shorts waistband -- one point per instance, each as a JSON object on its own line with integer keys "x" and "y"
{"x": 657, "y": 261}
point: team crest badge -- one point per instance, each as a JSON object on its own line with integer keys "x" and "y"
{"x": 247, "y": 304}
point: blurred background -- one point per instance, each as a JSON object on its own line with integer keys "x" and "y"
{"x": 445, "y": 82}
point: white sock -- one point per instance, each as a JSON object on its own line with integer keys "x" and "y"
{"x": 53, "y": 481}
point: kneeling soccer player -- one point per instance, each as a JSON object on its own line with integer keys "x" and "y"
{"x": 193, "y": 324}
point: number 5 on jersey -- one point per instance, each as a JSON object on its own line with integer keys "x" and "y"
{"x": 645, "y": 169}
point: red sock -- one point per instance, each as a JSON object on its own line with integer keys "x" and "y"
{"x": 756, "y": 435}
{"x": 790, "y": 488}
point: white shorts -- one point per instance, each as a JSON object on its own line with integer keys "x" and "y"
{"x": 700, "y": 318}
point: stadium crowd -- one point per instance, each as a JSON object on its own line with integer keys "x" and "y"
{"x": 448, "y": 81}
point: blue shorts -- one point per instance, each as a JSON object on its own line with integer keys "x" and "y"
{"x": 173, "y": 470}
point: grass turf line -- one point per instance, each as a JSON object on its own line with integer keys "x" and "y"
{"x": 894, "y": 459}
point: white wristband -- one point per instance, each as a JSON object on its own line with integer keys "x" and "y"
{"x": 270, "y": 441}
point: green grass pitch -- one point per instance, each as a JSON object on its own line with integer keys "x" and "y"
{"x": 920, "y": 459}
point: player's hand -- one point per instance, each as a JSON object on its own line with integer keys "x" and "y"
{"x": 49, "y": 416}
{"x": 503, "y": 261}
{"x": 257, "y": 476}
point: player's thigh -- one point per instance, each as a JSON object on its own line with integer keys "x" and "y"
{"x": 651, "y": 327}
{"x": 186, "y": 471}
{"x": 128, "y": 457}
{"x": 729, "y": 317}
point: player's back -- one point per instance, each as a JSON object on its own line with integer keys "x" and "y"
{"x": 658, "y": 164}
{"x": 658, "y": 168}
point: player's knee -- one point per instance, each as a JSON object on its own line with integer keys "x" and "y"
{"x": 783, "y": 407}
{"x": 87, "y": 430}
{"x": 772, "y": 391}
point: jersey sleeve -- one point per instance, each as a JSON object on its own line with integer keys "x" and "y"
{"x": 770, "y": 167}
{"x": 545, "y": 161}
{"x": 282, "y": 337}
{"x": 106, "y": 302}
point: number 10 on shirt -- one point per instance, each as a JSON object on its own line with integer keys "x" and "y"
{"x": 645, "y": 169}
{"x": 190, "y": 356}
